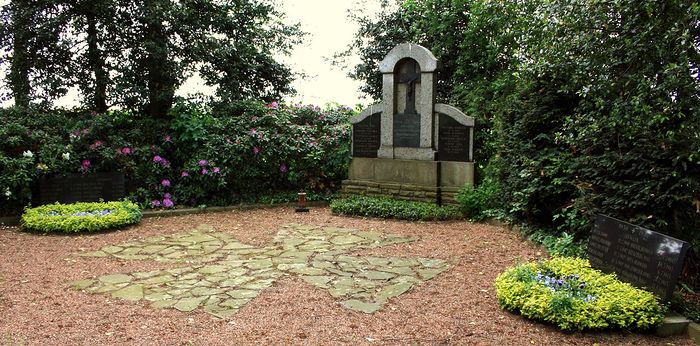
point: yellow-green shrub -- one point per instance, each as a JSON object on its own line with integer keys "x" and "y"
{"x": 81, "y": 217}
{"x": 595, "y": 301}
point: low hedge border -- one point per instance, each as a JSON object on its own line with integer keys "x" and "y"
{"x": 388, "y": 208}
{"x": 569, "y": 293}
{"x": 80, "y": 217}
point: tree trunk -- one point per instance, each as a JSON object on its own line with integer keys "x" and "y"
{"x": 97, "y": 64}
{"x": 161, "y": 84}
{"x": 20, "y": 63}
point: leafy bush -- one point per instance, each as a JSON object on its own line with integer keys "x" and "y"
{"x": 480, "y": 202}
{"x": 558, "y": 245}
{"x": 81, "y": 217}
{"x": 393, "y": 209}
{"x": 570, "y": 294}
{"x": 213, "y": 154}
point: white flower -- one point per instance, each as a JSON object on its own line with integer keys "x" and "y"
{"x": 66, "y": 156}
{"x": 28, "y": 153}
{"x": 8, "y": 193}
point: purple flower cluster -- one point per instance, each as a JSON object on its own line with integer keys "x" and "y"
{"x": 167, "y": 202}
{"x": 568, "y": 284}
{"x": 85, "y": 165}
{"x": 162, "y": 161}
{"x": 205, "y": 171}
{"x": 125, "y": 151}
{"x": 83, "y": 213}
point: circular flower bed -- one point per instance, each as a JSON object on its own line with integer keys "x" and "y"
{"x": 81, "y": 217}
{"x": 570, "y": 294}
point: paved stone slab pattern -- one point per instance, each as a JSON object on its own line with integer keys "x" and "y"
{"x": 222, "y": 275}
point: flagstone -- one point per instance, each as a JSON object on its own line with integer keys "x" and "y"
{"x": 427, "y": 274}
{"x": 393, "y": 291}
{"x": 259, "y": 284}
{"x": 112, "y": 249}
{"x": 81, "y": 284}
{"x": 235, "y": 303}
{"x": 115, "y": 278}
{"x": 220, "y": 275}
{"x": 206, "y": 291}
{"x": 359, "y": 305}
{"x": 235, "y": 281}
{"x": 188, "y": 304}
{"x": 156, "y": 296}
{"x": 308, "y": 271}
{"x": 347, "y": 239}
{"x": 377, "y": 275}
{"x": 259, "y": 263}
{"x": 158, "y": 279}
{"x": 243, "y": 294}
{"x": 131, "y": 292}
{"x": 160, "y": 304}
{"x": 213, "y": 269}
{"x": 318, "y": 280}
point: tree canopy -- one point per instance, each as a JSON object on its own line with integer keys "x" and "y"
{"x": 135, "y": 54}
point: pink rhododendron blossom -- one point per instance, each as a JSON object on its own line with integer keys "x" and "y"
{"x": 155, "y": 203}
{"x": 283, "y": 168}
{"x": 85, "y": 165}
{"x": 184, "y": 174}
{"x": 256, "y": 150}
{"x": 165, "y": 182}
{"x": 202, "y": 163}
{"x": 168, "y": 203}
{"x": 216, "y": 170}
{"x": 167, "y": 139}
{"x": 167, "y": 196}
{"x": 205, "y": 171}
{"x": 157, "y": 159}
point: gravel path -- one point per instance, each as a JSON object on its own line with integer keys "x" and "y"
{"x": 456, "y": 306}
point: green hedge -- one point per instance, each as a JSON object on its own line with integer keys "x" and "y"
{"x": 570, "y": 294}
{"x": 394, "y": 209}
{"x": 81, "y": 217}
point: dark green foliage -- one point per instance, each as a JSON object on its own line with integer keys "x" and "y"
{"x": 81, "y": 217}
{"x": 393, "y": 209}
{"x": 567, "y": 292}
{"x": 234, "y": 152}
{"x": 480, "y": 202}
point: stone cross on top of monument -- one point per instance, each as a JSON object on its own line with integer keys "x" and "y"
{"x": 408, "y": 98}
{"x": 407, "y": 142}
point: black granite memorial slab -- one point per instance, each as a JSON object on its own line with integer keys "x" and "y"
{"x": 365, "y": 136}
{"x": 81, "y": 188}
{"x": 453, "y": 140}
{"x": 407, "y": 130}
{"x": 639, "y": 256}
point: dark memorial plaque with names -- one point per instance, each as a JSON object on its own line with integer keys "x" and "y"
{"x": 639, "y": 256}
{"x": 453, "y": 140}
{"x": 81, "y": 188}
{"x": 365, "y": 136}
{"x": 407, "y": 130}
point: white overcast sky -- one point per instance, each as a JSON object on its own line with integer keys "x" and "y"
{"x": 329, "y": 31}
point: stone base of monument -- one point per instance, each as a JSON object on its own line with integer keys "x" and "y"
{"x": 694, "y": 332}
{"x": 427, "y": 181}
{"x": 673, "y": 324}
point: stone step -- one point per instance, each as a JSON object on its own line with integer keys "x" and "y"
{"x": 694, "y": 332}
{"x": 674, "y": 324}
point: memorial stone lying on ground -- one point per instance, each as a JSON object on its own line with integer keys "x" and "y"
{"x": 407, "y": 146}
{"x": 81, "y": 188}
{"x": 642, "y": 257}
